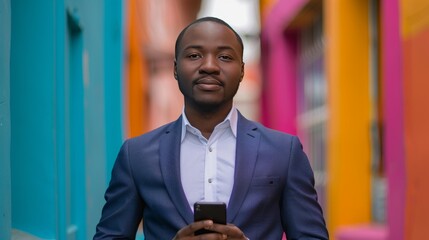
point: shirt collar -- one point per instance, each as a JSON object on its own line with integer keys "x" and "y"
{"x": 231, "y": 118}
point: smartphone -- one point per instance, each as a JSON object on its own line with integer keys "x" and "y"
{"x": 215, "y": 211}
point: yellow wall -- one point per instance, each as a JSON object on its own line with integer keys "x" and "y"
{"x": 415, "y": 16}
{"x": 347, "y": 56}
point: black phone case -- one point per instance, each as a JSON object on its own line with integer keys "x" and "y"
{"x": 215, "y": 211}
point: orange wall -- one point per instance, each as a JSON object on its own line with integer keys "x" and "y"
{"x": 415, "y": 35}
{"x": 416, "y": 88}
{"x": 152, "y": 96}
{"x": 347, "y": 53}
{"x": 136, "y": 90}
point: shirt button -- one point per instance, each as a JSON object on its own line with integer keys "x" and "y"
{"x": 210, "y": 149}
{"x": 210, "y": 180}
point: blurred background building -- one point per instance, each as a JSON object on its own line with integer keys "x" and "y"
{"x": 348, "y": 77}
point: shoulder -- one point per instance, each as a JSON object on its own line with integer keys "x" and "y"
{"x": 268, "y": 137}
{"x": 263, "y": 130}
{"x": 155, "y": 134}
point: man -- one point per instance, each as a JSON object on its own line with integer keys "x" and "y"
{"x": 211, "y": 153}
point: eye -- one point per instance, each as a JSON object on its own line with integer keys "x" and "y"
{"x": 194, "y": 56}
{"x": 225, "y": 58}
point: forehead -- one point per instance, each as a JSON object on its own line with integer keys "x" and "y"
{"x": 209, "y": 33}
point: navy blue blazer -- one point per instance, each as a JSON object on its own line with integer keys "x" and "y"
{"x": 273, "y": 188}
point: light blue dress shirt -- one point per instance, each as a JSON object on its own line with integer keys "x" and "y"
{"x": 207, "y": 165}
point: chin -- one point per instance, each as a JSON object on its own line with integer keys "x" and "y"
{"x": 209, "y": 106}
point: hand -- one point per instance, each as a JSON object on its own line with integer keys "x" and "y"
{"x": 188, "y": 232}
{"x": 230, "y": 232}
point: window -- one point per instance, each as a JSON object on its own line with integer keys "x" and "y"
{"x": 311, "y": 94}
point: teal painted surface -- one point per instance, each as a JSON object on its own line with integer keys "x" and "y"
{"x": 59, "y": 85}
{"x": 94, "y": 117}
{"x": 75, "y": 131}
{"x": 5, "y": 179}
{"x": 114, "y": 63}
{"x": 33, "y": 145}
{"x": 66, "y": 113}
{"x": 96, "y": 81}
{"x": 114, "y": 73}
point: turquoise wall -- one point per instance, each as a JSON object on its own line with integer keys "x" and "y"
{"x": 66, "y": 113}
{"x": 5, "y": 191}
{"x": 33, "y": 118}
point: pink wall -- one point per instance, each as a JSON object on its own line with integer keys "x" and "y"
{"x": 393, "y": 117}
{"x": 279, "y": 94}
{"x": 279, "y": 60}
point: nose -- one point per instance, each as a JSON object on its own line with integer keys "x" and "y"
{"x": 209, "y": 65}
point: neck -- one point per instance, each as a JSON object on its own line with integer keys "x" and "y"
{"x": 206, "y": 120}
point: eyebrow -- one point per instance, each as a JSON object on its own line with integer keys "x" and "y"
{"x": 201, "y": 47}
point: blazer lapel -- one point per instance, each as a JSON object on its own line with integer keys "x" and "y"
{"x": 246, "y": 154}
{"x": 170, "y": 169}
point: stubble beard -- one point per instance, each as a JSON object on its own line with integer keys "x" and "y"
{"x": 206, "y": 107}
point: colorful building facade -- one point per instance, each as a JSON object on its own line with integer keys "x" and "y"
{"x": 61, "y": 115}
{"x": 348, "y": 77}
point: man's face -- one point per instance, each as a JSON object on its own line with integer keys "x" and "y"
{"x": 209, "y": 65}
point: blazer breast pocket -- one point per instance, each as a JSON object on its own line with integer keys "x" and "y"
{"x": 265, "y": 181}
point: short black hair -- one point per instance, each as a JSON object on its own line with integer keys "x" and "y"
{"x": 206, "y": 19}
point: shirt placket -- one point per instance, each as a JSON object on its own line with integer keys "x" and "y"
{"x": 210, "y": 172}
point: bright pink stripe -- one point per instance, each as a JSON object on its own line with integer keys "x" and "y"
{"x": 393, "y": 118}
{"x": 367, "y": 232}
{"x": 280, "y": 67}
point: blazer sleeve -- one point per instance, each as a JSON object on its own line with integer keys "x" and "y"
{"x": 301, "y": 213}
{"x": 123, "y": 209}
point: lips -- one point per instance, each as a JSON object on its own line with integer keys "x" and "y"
{"x": 208, "y": 84}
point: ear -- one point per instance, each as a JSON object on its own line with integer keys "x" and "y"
{"x": 175, "y": 69}
{"x": 242, "y": 71}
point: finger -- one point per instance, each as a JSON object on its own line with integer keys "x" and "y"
{"x": 191, "y": 228}
{"x": 230, "y": 230}
{"x": 211, "y": 236}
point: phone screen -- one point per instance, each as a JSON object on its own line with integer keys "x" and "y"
{"x": 215, "y": 211}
